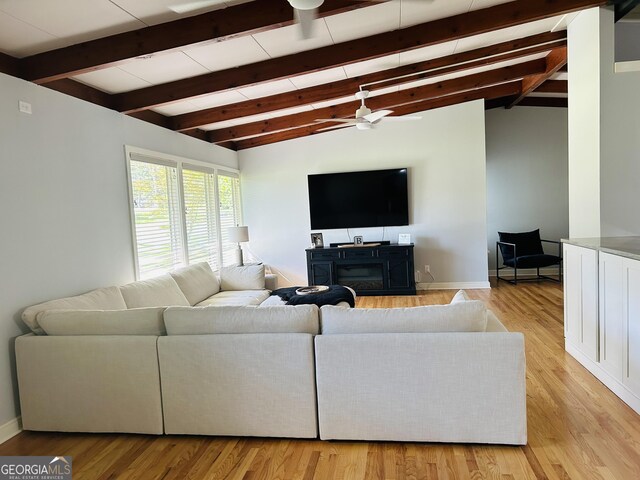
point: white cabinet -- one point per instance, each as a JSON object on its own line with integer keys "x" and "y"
{"x": 611, "y": 268}
{"x": 631, "y": 327}
{"x": 581, "y": 299}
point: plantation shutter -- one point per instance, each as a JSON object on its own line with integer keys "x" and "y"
{"x": 230, "y": 214}
{"x": 156, "y": 210}
{"x": 198, "y": 187}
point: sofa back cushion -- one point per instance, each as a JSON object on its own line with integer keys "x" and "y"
{"x": 247, "y": 277}
{"x": 459, "y": 317}
{"x": 197, "y": 282}
{"x": 460, "y": 296}
{"x": 134, "y": 321}
{"x": 162, "y": 291}
{"x": 109, "y": 298}
{"x": 244, "y": 319}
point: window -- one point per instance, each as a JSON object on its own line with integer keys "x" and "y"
{"x": 180, "y": 212}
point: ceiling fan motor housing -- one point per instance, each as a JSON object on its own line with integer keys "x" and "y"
{"x": 305, "y": 4}
{"x": 362, "y": 111}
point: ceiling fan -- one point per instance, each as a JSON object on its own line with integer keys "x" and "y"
{"x": 365, "y": 118}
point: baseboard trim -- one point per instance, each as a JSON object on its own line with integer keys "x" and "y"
{"x": 10, "y": 429}
{"x": 452, "y": 286}
{"x": 526, "y": 272}
{"x": 621, "y": 391}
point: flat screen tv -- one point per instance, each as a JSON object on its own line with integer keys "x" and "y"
{"x": 376, "y": 198}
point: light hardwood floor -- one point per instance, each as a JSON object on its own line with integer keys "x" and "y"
{"x": 577, "y": 428}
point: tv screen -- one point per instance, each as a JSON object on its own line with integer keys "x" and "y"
{"x": 375, "y": 198}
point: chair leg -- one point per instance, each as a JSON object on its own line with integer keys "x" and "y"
{"x": 515, "y": 272}
{"x": 538, "y": 272}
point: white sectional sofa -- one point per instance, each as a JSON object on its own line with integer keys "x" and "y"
{"x": 160, "y": 357}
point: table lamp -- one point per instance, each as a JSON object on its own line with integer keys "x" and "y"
{"x": 237, "y": 235}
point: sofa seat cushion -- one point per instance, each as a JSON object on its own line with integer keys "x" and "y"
{"x": 134, "y": 321}
{"x": 246, "y": 277}
{"x": 197, "y": 282}
{"x": 162, "y": 291}
{"x": 109, "y": 298}
{"x": 244, "y": 319}
{"x": 468, "y": 316}
{"x": 237, "y": 298}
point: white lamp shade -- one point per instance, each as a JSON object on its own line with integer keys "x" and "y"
{"x": 238, "y": 234}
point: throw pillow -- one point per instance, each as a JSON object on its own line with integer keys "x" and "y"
{"x": 460, "y": 296}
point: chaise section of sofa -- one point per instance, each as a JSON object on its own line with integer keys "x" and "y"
{"x": 399, "y": 375}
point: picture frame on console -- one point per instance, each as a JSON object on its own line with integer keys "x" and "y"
{"x": 316, "y": 240}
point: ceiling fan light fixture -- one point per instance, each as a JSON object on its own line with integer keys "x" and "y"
{"x": 362, "y": 112}
{"x": 305, "y": 4}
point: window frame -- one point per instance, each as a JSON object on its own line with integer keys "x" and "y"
{"x": 149, "y": 156}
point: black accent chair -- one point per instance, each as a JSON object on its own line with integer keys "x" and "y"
{"x": 524, "y": 250}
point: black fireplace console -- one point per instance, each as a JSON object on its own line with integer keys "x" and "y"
{"x": 368, "y": 269}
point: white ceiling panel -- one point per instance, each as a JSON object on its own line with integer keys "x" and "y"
{"x": 374, "y": 65}
{"x": 228, "y": 54}
{"x": 20, "y": 39}
{"x": 217, "y": 99}
{"x": 257, "y": 118}
{"x": 177, "y": 108}
{"x": 112, "y": 80}
{"x": 420, "y": 11}
{"x": 506, "y": 34}
{"x": 164, "y": 68}
{"x": 318, "y": 78}
{"x": 287, "y": 40}
{"x": 153, "y": 12}
{"x": 364, "y": 21}
{"x": 427, "y": 53}
{"x": 75, "y": 20}
{"x": 266, "y": 89}
{"x": 478, "y": 4}
{"x": 560, "y": 76}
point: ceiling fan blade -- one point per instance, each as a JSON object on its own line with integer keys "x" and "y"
{"x": 377, "y": 116}
{"x": 335, "y": 127}
{"x": 402, "y": 119}
{"x": 305, "y": 19}
{"x": 352, "y": 121}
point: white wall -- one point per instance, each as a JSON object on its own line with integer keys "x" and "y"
{"x": 527, "y": 173}
{"x": 64, "y": 205}
{"x": 620, "y": 137}
{"x": 584, "y": 125}
{"x": 445, "y": 154}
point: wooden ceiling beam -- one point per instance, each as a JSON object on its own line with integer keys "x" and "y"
{"x": 553, "y": 86}
{"x": 557, "y": 102}
{"x": 216, "y": 26}
{"x": 391, "y": 100}
{"x": 82, "y": 91}
{"x": 9, "y": 65}
{"x": 459, "y": 26}
{"x": 498, "y": 91}
{"x": 407, "y": 73}
{"x": 554, "y": 61}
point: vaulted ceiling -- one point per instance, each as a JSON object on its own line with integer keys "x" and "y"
{"x": 239, "y": 75}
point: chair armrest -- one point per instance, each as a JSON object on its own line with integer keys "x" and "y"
{"x": 512, "y": 245}
{"x": 556, "y": 243}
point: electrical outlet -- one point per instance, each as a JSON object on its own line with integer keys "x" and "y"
{"x": 25, "y": 107}
{"x": 427, "y": 268}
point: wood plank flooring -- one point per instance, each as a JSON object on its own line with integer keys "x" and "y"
{"x": 577, "y": 428}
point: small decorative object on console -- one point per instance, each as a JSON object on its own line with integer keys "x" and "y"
{"x": 357, "y": 240}
{"x": 316, "y": 240}
{"x": 310, "y": 290}
{"x": 404, "y": 239}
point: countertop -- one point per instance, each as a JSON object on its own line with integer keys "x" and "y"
{"x": 624, "y": 246}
